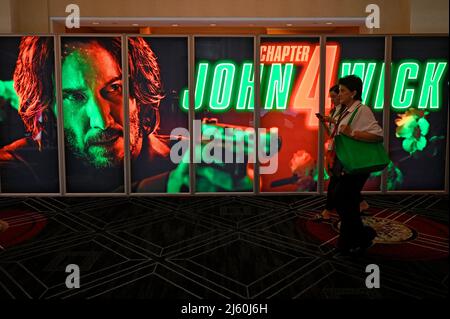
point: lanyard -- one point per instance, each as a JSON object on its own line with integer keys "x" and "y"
{"x": 342, "y": 115}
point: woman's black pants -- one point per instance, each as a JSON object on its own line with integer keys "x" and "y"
{"x": 347, "y": 189}
{"x": 330, "y": 205}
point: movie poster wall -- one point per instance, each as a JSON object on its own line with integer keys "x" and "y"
{"x": 224, "y": 133}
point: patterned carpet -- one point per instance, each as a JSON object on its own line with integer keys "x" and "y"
{"x": 263, "y": 247}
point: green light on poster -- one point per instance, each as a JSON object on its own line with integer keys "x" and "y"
{"x": 364, "y": 70}
{"x": 379, "y": 94}
{"x": 430, "y": 95}
{"x": 246, "y": 88}
{"x": 202, "y": 72}
{"x": 226, "y": 84}
{"x": 279, "y": 86}
{"x": 222, "y": 86}
{"x": 403, "y": 97}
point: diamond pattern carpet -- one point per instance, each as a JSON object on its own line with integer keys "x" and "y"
{"x": 261, "y": 247}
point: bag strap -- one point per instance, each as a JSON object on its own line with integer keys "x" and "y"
{"x": 353, "y": 114}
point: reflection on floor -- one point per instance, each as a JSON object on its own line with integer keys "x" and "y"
{"x": 218, "y": 247}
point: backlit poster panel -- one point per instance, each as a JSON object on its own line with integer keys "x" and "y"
{"x": 418, "y": 113}
{"x": 28, "y": 116}
{"x": 289, "y": 99}
{"x": 158, "y": 72}
{"x": 92, "y": 104}
{"x": 223, "y": 126}
{"x": 363, "y": 57}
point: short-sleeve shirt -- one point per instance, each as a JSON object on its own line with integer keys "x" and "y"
{"x": 364, "y": 120}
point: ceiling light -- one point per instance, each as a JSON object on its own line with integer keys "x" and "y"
{"x": 174, "y": 25}
{"x": 289, "y": 24}
{"x": 329, "y": 23}
{"x": 95, "y": 22}
{"x": 135, "y": 24}
{"x": 213, "y": 24}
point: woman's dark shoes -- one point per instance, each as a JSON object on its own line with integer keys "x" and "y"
{"x": 360, "y": 249}
{"x": 367, "y": 241}
{"x": 356, "y": 251}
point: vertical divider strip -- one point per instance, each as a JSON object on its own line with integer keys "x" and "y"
{"x": 256, "y": 111}
{"x": 387, "y": 103}
{"x": 320, "y": 148}
{"x": 126, "y": 113}
{"x": 60, "y": 116}
{"x": 447, "y": 159}
{"x": 191, "y": 116}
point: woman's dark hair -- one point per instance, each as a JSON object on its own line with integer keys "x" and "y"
{"x": 335, "y": 89}
{"x": 353, "y": 83}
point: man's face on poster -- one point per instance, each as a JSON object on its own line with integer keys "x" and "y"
{"x": 93, "y": 106}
